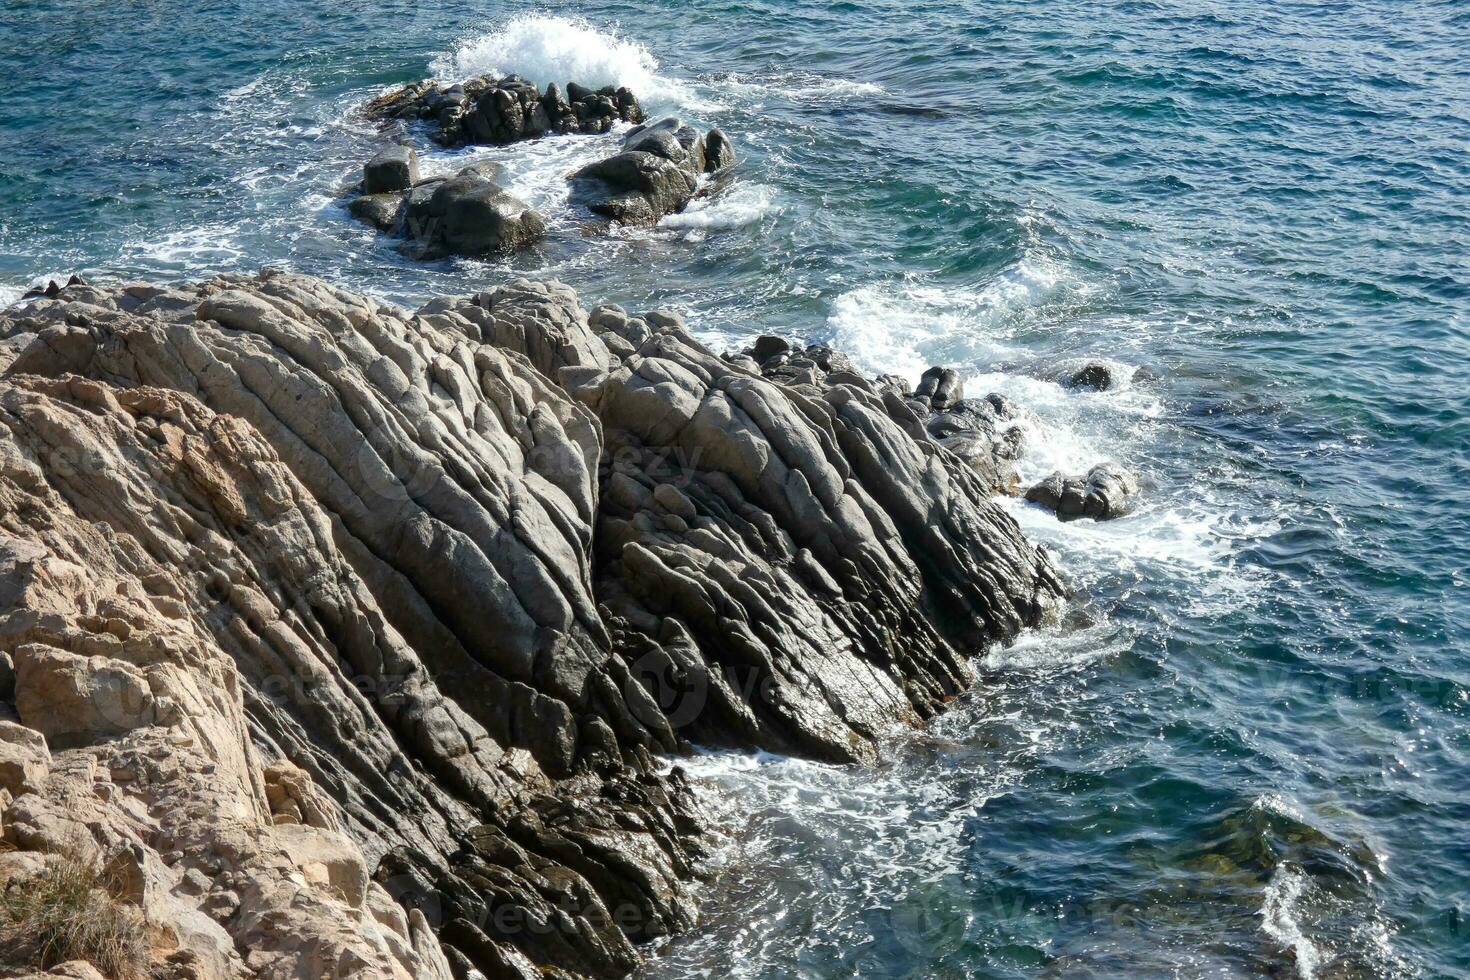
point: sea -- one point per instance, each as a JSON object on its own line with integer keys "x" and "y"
{"x": 1245, "y": 750}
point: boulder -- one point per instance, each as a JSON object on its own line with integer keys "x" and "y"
{"x": 719, "y": 152}
{"x": 469, "y": 214}
{"x": 393, "y": 169}
{"x": 1105, "y": 492}
{"x": 1094, "y": 374}
{"x": 657, "y": 173}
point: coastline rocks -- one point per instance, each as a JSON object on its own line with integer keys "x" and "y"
{"x": 657, "y": 173}
{"x": 393, "y": 169}
{"x": 1105, "y": 492}
{"x": 396, "y": 611}
{"x": 500, "y": 111}
{"x": 467, "y": 214}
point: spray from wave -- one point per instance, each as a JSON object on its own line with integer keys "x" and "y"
{"x": 742, "y": 205}
{"x": 547, "y": 49}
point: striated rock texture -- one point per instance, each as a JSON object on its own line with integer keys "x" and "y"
{"x": 358, "y": 633}
{"x": 500, "y": 111}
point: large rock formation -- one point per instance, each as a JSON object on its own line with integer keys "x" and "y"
{"x": 499, "y": 111}
{"x": 356, "y": 633}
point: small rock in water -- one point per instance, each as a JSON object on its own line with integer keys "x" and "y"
{"x": 393, "y": 169}
{"x": 1094, "y": 374}
{"x": 1107, "y": 491}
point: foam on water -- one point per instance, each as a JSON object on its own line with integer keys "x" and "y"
{"x": 905, "y": 329}
{"x": 796, "y": 85}
{"x": 547, "y": 49}
{"x": 1279, "y": 918}
{"x": 735, "y": 207}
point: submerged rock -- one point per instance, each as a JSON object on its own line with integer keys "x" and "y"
{"x": 657, "y": 173}
{"x": 393, "y": 612}
{"x": 1105, "y": 492}
{"x": 499, "y": 111}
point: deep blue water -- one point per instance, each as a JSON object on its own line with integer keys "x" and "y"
{"x": 1248, "y": 752}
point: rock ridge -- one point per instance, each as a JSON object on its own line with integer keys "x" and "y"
{"x": 366, "y": 637}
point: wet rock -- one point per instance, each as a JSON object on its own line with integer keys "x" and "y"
{"x": 1105, "y": 492}
{"x": 1094, "y": 374}
{"x": 719, "y": 152}
{"x": 467, "y": 214}
{"x": 500, "y": 111}
{"x": 657, "y": 173}
{"x": 393, "y": 169}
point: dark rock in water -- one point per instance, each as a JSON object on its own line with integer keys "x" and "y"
{"x": 511, "y": 552}
{"x": 379, "y": 210}
{"x": 719, "y": 152}
{"x": 393, "y": 169}
{"x": 1107, "y": 491}
{"x": 657, "y": 173}
{"x": 499, "y": 111}
{"x": 468, "y": 214}
{"x": 1094, "y": 374}
{"x": 636, "y": 187}
{"x": 767, "y": 347}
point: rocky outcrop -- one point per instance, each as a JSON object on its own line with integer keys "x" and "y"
{"x": 393, "y": 169}
{"x": 500, "y": 111}
{"x": 1105, "y": 492}
{"x": 983, "y": 432}
{"x": 467, "y": 214}
{"x": 360, "y": 632}
{"x": 657, "y": 173}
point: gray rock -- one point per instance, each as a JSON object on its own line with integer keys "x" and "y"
{"x": 471, "y": 215}
{"x": 1105, "y": 492}
{"x": 393, "y": 169}
{"x": 382, "y": 211}
{"x": 636, "y": 187}
{"x": 1094, "y": 374}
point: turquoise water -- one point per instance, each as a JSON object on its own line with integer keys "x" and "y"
{"x": 1247, "y": 753}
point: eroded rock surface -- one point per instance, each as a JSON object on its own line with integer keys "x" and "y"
{"x": 360, "y": 631}
{"x": 500, "y": 111}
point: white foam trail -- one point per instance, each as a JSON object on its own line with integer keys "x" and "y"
{"x": 1279, "y": 918}
{"x": 908, "y": 329}
{"x": 546, "y": 49}
{"x": 805, "y": 86}
{"x": 741, "y": 205}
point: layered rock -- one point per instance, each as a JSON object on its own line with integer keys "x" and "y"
{"x": 311, "y": 602}
{"x": 657, "y": 173}
{"x": 467, "y": 214}
{"x": 500, "y": 111}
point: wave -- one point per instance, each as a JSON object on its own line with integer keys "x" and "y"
{"x": 741, "y": 205}
{"x": 548, "y": 49}
{"x": 1279, "y": 918}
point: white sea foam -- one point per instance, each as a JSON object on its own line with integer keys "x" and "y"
{"x": 1280, "y": 918}
{"x": 548, "y": 49}
{"x": 907, "y": 329}
{"x": 10, "y": 295}
{"x": 797, "y": 85}
{"x": 741, "y": 205}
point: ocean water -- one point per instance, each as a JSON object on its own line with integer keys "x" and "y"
{"x": 1247, "y": 750}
